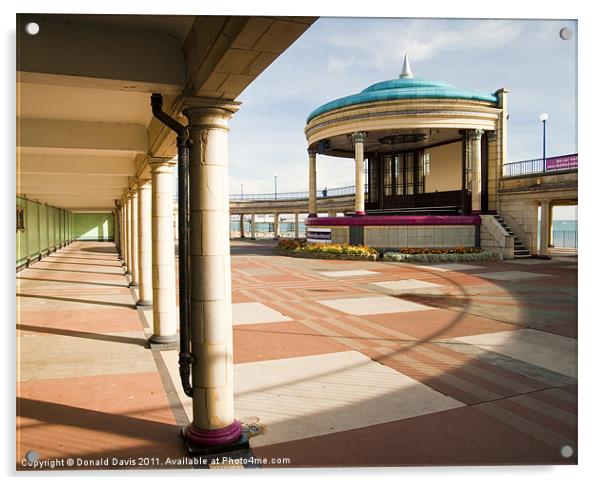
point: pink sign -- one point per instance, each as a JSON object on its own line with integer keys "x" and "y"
{"x": 561, "y": 163}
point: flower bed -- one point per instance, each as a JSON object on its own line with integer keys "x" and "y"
{"x": 301, "y": 249}
{"x": 440, "y": 255}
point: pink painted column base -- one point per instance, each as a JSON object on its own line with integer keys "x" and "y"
{"x": 213, "y": 437}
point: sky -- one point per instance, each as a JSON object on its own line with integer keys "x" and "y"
{"x": 336, "y": 57}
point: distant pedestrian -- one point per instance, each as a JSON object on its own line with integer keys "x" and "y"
{"x": 325, "y": 192}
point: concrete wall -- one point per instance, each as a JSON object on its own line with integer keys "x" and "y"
{"x": 495, "y": 238}
{"x": 94, "y": 227}
{"x": 519, "y": 197}
{"x": 446, "y": 168}
{"x": 440, "y": 236}
{"x": 46, "y": 229}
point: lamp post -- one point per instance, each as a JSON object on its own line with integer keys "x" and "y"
{"x": 275, "y": 186}
{"x": 543, "y": 117}
{"x": 241, "y": 192}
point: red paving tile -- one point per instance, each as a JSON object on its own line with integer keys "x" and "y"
{"x": 129, "y": 415}
{"x": 440, "y": 324}
{"x": 280, "y": 341}
{"x": 111, "y": 320}
{"x": 462, "y": 436}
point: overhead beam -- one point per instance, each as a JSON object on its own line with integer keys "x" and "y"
{"x": 71, "y": 52}
{"x": 83, "y": 135}
{"x": 223, "y": 55}
{"x": 70, "y": 180}
{"x": 40, "y": 164}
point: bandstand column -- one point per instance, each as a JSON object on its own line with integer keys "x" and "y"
{"x": 358, "y": 139}
{"x": 211, "y": 293}
{"x": 313, "y": 206}
{"x": 242, "y": 226}
{"x": 134, "y": 238}
{"x": 145, "y": 256}
{"x": 475, "y": 166}
{"x": 163, "y": 253}
{"x": 252, "y": 226}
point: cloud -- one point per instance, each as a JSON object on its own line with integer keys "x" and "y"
{"x": 337, "y": 57}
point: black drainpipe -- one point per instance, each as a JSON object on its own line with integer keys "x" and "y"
{"x": 183, "y": 141}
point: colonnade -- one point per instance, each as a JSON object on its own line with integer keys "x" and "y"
{"x": 277, "y": 232}
{"x": 145, "y": 221}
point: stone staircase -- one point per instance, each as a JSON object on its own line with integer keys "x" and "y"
{"x": 520, "y": 250}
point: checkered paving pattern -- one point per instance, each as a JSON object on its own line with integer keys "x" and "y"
{"x": 340, "y": 363}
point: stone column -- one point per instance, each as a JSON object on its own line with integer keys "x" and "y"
{"x": 145, "y": 254}
{"x": 313, "y": 205}
{"x": 296, "y": 225}
{"x": 358, "y": 139}
{"x": 242, "y": 226}
{"x": 124, "y": 246}
{"x": 252, "y": 226}
{"x": 276, "y": 225}
{"x": 475, "y": 167}
{"x": 544, "y": 229}
{"x": 211, "y": 292}
{"x": 117, "y": 225}
{"x": 128, "y": 234}
{"x": 123, "y": 232}
{"x": 134, "y": 239}
{"x": 163, "y": 253}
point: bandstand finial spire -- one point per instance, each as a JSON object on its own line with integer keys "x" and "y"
{"x": 406, "y": 70}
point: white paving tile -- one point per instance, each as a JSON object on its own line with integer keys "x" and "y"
{"x": 553, "y": 352}
{"x": 373, "y": 305}
{"x": 254, "y": 312}
{"x": 512, "y": 275}
{"x": 406, "y": 285}
{"x": 321, "y": 394}
{"x": 345, "y": 274}
{"x": 450, "y": 266}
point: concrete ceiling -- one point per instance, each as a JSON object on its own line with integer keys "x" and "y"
{"x": 84, "y": 123}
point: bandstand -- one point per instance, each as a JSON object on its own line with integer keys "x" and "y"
{"x": 428, "y": 159}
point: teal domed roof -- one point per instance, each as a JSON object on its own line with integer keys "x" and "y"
{"x": 404, "y": 87}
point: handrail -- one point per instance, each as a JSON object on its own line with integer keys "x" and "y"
{"x": 540, "y": 165}
{"x": 324, "y": 193}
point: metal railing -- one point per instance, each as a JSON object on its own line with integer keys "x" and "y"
{"x": 336, "y": 192}
{"x": 539, "y": 165}
{"x": 565, "y": 238}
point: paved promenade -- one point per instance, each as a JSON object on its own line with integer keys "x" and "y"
{"x": 336, "y": 362}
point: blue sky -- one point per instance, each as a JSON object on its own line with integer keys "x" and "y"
{"x": 340, "y": 56}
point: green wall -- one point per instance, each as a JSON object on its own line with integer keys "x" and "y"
{"x": 93, "y": 227}
{"x": 45, "y": 230}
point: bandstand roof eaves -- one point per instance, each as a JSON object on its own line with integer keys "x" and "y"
{"x": 399, "y": 89}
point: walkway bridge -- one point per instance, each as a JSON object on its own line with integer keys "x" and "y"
{"x": 525, "y": 187}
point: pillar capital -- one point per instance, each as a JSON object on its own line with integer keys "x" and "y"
{"x": 144, "y": 184}
{"x": 209, "y": 112}
{"x": 312, "y": 152}
{"x": 161, "y": 165}
{"x": 476, "y": 134}
{"x": 358, "y": 137}
{"x": 154, "y": 161}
